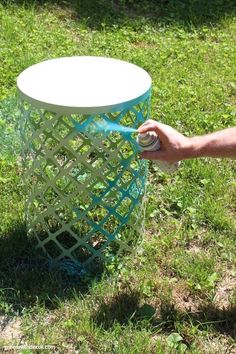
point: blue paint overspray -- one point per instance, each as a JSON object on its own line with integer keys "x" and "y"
{"x": 102, "y": 125}
{"x": 10, "y": 136}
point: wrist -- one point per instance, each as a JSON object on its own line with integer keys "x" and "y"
{"x": 197, "y": 146}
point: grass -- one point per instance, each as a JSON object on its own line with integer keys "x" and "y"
{"x": 178, "y": 293}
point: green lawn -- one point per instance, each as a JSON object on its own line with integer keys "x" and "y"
{"x": 178, "y": 294}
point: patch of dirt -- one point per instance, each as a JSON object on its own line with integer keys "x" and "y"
{"x": 224, "y": 290}
{"x": 144, "y": 45}
{"x": 194, "y": 249}
{"x": 219, "y": 345}
{"x": 10, "y": 328}
{"x": 184, "y": 300}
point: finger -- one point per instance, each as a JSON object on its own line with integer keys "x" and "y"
{"x": 153, "y": 155}
{"x": 148, "y": 121}
{"x": 149, "y": 126}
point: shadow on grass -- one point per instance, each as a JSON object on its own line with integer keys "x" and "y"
{"x": 99, "y": 13}
{"x": 220, "y": 320}
{"x": 28, "y": 278}
{"x": 125, "y": 307}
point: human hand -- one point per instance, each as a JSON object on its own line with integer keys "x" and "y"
{"x": 174, "y": 145}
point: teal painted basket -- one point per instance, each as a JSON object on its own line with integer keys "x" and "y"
{"x": 84, "y": 185}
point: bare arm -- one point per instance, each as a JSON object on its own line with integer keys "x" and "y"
{"x": 218, "y": 144}
{"x": 175, "y": 146}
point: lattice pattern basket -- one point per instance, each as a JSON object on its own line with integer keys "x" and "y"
{"x": 84, "y": 184}
{"x": 84, "y": 188}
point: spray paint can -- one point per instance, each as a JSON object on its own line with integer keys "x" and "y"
{"x": 150, "y": 142}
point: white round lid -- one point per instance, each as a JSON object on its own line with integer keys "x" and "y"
{"x": 83, "y": 84}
